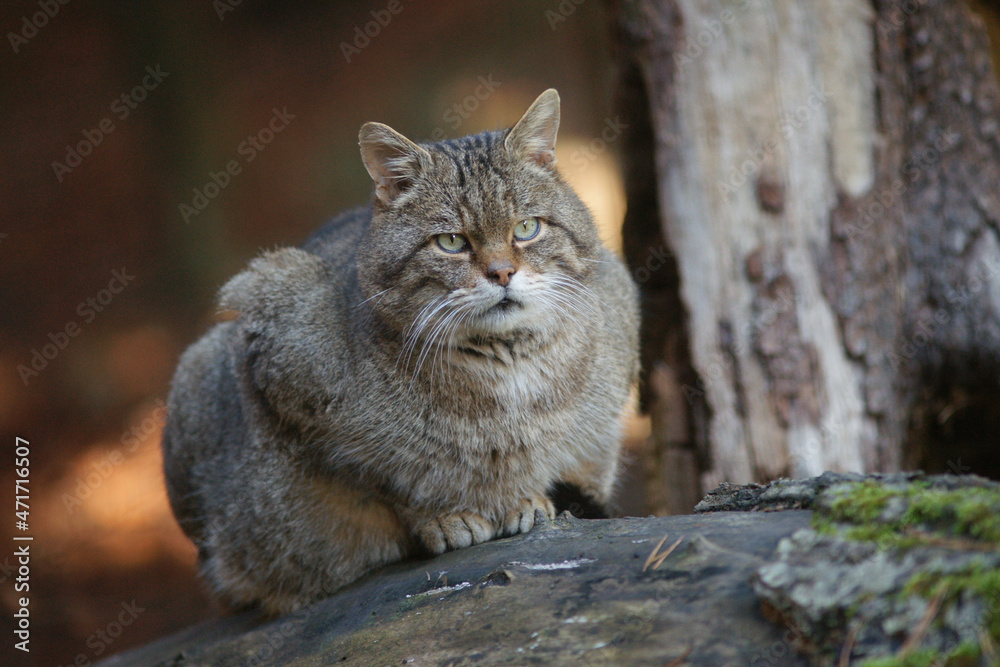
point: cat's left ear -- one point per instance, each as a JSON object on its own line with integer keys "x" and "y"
{"x": 392, "y": 160}
{"x": 533, "y": 139}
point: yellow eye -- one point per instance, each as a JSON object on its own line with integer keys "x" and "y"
{"x": 452, "y": 242}
{"x": 527, "y": 229}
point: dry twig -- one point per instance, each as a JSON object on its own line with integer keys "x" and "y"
{"x": 656, "y": 559}
{"x": 845, "y": 651}
{"x": 925, "y": 622}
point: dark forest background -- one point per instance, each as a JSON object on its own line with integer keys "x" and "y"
{"x": 114, "y": 117}
{"x": 92, "y": 413}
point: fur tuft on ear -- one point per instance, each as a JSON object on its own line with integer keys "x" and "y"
{"x": 533, "y": 139}
{"x": 392, "y": 160}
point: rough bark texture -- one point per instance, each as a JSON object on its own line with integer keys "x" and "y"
{"x": 823, "y": 175}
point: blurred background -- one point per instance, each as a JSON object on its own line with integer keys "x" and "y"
{"x": 120, "y": 221}
{"x": 148, "y": 152}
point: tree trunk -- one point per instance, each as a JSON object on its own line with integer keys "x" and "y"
{"x": 813, "y": 218}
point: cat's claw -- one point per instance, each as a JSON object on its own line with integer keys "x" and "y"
{"x": 522, "y": 518}
{"x": 455, "y": 531}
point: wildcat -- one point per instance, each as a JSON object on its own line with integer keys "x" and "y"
{"x": 422, "y": 375}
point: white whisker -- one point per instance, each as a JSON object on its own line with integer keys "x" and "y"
{"x": 373, "y": 296}
{"x": 413, "y": 332}
{"x": 573, "y": 282}
{"x": 431, "y": 340}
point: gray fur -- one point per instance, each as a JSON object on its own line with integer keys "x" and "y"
{"x": 375, "y": 400}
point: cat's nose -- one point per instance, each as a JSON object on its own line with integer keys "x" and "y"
{"x": 500, "y": 272}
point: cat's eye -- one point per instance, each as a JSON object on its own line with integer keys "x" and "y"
{"x": 527, "y": 229}
{"x": 452, "y": 242}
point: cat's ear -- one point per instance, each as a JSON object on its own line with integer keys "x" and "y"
{"x": 533, "y": 139}
{"x": 392, "y": 160}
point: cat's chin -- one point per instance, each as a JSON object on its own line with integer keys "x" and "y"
{"x": 501, "y": 318}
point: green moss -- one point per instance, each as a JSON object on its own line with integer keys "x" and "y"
{"x": 822, "y": 524}
{"x": 967, "y": 653}
{"x": 915, "y": 659}
{"x": 982, "y": 581}
{"x": 883, "y": 534}
{"x": 973, "y": 513}
{"x": 930, "y": 514}
{"x": 964, "y": 655}
{"x": 862, "y": 504}
{"x": 918, "y": 514}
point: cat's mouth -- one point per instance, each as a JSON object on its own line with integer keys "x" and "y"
{"x": 506, "y": 305}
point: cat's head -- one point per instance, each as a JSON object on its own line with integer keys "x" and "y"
{"x": 476, "y": 236}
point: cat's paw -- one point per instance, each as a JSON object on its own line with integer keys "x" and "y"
{"x": 455, "y": 531}
{"x": 521, "y": 519}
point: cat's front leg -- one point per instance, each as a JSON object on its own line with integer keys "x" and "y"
{"x": 455, "y": 531}
{"x": 521, "y": 519}
{"x": 448, "y": 532}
